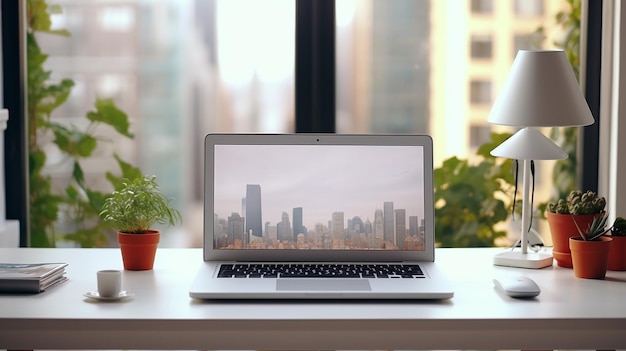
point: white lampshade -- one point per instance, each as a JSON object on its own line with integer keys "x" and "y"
{"x": 541, "y": 91}
{"x": 529, "y": 144}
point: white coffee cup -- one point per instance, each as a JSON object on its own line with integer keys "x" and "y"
{"x": 109, "y": 282}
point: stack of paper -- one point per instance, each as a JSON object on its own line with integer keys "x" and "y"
{"x": 30, "y": 277}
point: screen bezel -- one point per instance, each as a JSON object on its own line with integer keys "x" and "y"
{"x": 211, "y": 254}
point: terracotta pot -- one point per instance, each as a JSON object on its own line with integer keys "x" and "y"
{"x": 138, "y": 250}
{"x": 590, "y": 258}
{"x": 562, "y": 228}
{"x": 617, "y": 256}
{"x": 563, "y": 259}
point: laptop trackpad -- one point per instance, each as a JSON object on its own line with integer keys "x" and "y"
{"x": 335, "y": 284}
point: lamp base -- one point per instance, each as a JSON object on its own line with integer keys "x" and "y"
{"x": 533, "y": 260}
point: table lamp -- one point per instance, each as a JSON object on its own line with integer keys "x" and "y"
{"x": 540, "y": 91}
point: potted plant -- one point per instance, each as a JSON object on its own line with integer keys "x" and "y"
{"x": 617, "y": 256}
{"x": 590, "y": 250}
{"x": 68, "y": 212}
{"x": 132, "y": 210}
{"x": 578, "y": 208}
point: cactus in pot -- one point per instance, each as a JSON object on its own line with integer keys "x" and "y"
{"x": 578, "y": 209}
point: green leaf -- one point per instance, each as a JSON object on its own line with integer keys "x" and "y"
{"x": 73, "y": 141}
{"x": 97, "y": 200}
{"x": 496, "y": 139}
{"x": 57, "y": 95}
{"x": 78, "y": 175}
{"x": 36, "y": 161}
{"x": 39, "y": 17}
{"x": 72, "y": 193}
{"x": 86, "y": 145}
{"x": 129, "y": 172}
{"x": 106, "y": 112}
{"x": 35, "y": 57}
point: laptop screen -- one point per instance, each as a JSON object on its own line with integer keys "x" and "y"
{"x": 318, "y": 197}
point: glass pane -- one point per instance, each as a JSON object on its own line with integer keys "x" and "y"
{"x": 435, "y": 67}
{"x": 481, "y": 6}
{"x": 179, "y": 69}
{"x": 480, "y": 92}
{"x": 529, "y": 7}
{"x": 481, "y": 46}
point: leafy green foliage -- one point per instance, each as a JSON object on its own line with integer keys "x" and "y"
{"x": 468, "y": 198}
{"x": 78, "y": 203}
{"x": 619, "y": 227}
{"x": 137, "y": 205}
{"x": 128, "y": 172}
{"x": 106, "y": 112}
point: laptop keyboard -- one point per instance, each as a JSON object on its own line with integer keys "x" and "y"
{"x": 307, "y": 270}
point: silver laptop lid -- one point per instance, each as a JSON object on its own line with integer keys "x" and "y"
{"x": 318, "y": 197}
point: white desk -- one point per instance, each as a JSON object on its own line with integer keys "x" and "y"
{"x": 569, "y": 313}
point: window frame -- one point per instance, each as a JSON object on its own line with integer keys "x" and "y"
{"x": 315, "y": 66}
{"x": 13, "y": 75}
{"x": 591, "y": 47}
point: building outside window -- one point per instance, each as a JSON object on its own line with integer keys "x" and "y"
{"x": 481, "y": 46}
{"x": 481, "y": 6}
{"x": 529, "y": 8}
{"x": 181, "y": 69}
{"x": 481, "y": 92}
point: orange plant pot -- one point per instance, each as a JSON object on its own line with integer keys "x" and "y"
{"x": 590, "y": 258}
{"x": 562, "y": 228}
{"x": 138, "y": 250}
{"x": 617, "y": 256}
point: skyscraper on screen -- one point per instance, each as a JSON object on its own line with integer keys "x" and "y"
{"x": 254, "y": 222}
{"x": 388, "y": 227}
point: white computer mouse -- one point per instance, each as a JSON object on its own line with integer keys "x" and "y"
{"x": 517, "y": 286}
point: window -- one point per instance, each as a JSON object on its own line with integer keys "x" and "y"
{"x": 525, "y": 42}
{"x": 529, "y": 7}
{"x": 480, "y": 92}
{"x": 117, "y": 18}
{"x": 182, "y": 69}
{"x": 482, "y": 6}
{"x": 481, "y": 46}
{"x": 479, "y": 134}
{"x": 177, "y": 79}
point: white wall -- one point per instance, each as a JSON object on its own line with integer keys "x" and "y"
{"x": 612, "y": 171}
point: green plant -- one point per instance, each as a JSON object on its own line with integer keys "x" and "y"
{"x": 619, "y": 227}
{"x": 137, "y": 205}
{"x": 595, "y": 230}
{"x": 469, "y": 197}
{"x": 76, "y": 200}
{"x": 579, "y": 203}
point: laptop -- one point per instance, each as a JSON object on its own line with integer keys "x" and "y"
{"x": 319, "y": 216}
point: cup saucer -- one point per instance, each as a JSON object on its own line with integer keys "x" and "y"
{"x": 95, "y": 295}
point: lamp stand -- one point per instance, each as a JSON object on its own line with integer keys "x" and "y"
{"x": 524, "y": 259}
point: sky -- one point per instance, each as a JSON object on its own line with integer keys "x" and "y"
{"x": 355, "y": 180}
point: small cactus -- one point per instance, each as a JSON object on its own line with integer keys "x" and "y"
{"x": 560, "y": 207}
{"x": 579, "y": 203}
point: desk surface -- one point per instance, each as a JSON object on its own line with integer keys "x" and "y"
{"x": 569, "y": 313}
